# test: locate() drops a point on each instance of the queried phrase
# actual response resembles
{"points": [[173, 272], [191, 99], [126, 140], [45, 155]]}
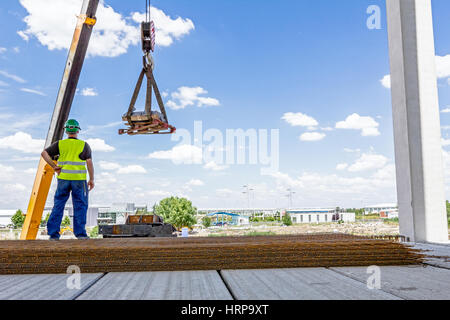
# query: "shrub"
{"points": [[65, 222], [287, 221], [206, 221], [94, 232], [18, 219]]}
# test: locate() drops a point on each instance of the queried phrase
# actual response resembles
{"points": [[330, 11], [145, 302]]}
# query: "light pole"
{"points": [[290, 194], [247, 192]]}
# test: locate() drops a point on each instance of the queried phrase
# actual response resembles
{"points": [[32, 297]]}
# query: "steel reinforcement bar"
{"points": [[178, 254]]}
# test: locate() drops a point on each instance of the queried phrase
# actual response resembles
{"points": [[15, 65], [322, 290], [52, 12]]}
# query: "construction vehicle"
{"points": [[139, 226], [147, 122]]}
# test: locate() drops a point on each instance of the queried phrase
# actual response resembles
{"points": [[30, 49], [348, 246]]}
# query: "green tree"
{"points": [[18, 219], [287, 221], [94, 232], [206, 221], [65, 222], [177, 211]]}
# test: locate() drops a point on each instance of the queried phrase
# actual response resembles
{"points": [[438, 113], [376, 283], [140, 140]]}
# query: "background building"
{"points": [[320, 215], [376, 209]]}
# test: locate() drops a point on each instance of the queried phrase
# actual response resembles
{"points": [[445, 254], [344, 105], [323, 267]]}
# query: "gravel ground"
{"points": [[357, 228]]}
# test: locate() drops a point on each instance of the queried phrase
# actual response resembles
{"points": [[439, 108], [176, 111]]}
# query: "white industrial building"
{"points": [[382, 207], [319, 215]]}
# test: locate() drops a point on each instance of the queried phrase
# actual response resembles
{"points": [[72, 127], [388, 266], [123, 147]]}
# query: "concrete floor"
{"points": [[431, 281]]}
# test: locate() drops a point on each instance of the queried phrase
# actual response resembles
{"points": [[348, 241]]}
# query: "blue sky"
{"points": [[301, 67]]}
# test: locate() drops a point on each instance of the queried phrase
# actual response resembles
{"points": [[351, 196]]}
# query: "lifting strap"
{"points": [[151, 84]]}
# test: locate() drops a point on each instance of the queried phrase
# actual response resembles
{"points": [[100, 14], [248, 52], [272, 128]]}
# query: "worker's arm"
{"points": [[90, 167], [50, 162]]}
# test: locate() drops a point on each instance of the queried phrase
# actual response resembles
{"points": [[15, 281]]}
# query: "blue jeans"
{"points": [[80, 199]]}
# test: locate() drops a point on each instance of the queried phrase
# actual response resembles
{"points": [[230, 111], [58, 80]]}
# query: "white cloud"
{"points": [[93, 129], [312, 136], [7, 173], [224, 192], [39, 93], [105, 179], [89, 92], [352, 150], [336, 190], [182, 154], [386, 173], [158, 193], [3, 84], [30, 171], [386, 81], [2, 50], [99, 145], [214, 166], [23, 142], [7, 169], [167, 29], [187, 96], [132, 169], [12, 76], [368, 161], [446, 110], [112, 35], [299, 120], [342, 166], [286, 180], [16, 187], [367, 125], [443, 66], [195, 183], [109, 166], [23, 35], [442, 70]]}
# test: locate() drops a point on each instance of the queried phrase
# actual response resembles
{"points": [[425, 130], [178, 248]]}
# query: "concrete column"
{"points": [[417, 135]]}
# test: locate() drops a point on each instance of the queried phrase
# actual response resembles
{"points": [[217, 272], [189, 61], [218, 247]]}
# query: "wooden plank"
{"points": [[42, 286], [298, 284], [184, 285], [411, 283]]}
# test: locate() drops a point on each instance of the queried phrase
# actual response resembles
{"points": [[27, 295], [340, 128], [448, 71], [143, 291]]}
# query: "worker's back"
{"points": [[73, 167]]}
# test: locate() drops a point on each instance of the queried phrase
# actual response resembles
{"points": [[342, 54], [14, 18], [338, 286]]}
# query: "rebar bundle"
{"points": [[178, 254]]}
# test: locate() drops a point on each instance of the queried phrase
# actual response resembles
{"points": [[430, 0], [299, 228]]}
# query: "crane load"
{"points": [[147, 121]]}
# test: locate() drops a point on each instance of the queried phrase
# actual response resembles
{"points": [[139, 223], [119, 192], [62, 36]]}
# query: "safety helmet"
{"points": [[72, 126]]}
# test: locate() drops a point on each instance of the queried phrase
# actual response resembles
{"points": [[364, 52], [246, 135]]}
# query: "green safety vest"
{"points": [[73, 168]]}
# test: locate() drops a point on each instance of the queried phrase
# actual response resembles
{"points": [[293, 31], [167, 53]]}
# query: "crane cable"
{"points": [[147, 13]]}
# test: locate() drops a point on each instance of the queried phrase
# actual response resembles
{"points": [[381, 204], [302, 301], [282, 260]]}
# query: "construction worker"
{"points": [[74, 156]]}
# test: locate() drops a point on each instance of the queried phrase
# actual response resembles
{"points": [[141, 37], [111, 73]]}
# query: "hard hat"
{"points": [[72, 126]]}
